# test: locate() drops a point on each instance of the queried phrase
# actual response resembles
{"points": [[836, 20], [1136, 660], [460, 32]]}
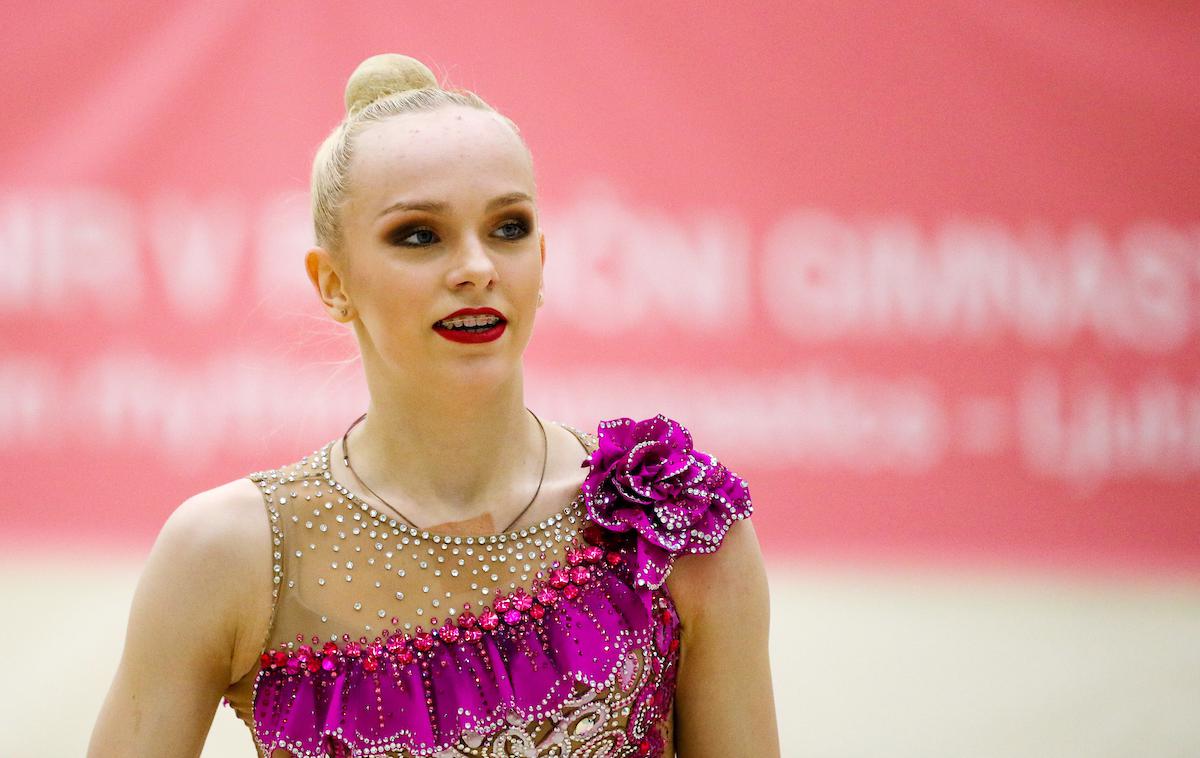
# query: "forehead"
{"points": [[452, 154]]}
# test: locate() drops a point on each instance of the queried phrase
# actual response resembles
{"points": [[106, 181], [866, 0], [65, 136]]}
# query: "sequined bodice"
{"points": [[392, 641]]}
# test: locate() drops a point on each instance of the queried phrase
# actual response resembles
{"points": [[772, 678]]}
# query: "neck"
{"points": [[442, 454]]}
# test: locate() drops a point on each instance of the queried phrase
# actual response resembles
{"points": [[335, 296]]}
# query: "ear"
{"points": [[323, 273], [542, 243]]}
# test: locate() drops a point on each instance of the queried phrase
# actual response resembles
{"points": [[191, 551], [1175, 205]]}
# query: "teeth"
{"points": [[469, 321]]}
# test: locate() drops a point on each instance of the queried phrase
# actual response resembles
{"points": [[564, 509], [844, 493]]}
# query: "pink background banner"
{"points": [[926, 275]]}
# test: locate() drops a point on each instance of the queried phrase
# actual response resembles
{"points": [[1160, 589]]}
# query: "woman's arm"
{"points": [[184, 625], [724, 704]]}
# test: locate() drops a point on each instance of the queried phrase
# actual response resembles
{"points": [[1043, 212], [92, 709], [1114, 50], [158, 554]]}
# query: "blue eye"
{"points": [[415, 237], [513, 229]]}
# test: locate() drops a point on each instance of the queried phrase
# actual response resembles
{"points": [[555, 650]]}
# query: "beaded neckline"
{"points": [[322, 464]]}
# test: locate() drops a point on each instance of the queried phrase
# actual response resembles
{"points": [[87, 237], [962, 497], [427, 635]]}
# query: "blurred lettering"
{"points": [[69, 252], [197, 246], [824, 278]]}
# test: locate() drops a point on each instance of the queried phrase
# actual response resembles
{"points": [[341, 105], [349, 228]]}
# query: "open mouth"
{"points": [[472, 326]]}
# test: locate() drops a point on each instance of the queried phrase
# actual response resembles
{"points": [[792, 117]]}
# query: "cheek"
{"points": [[526, 273], [398, 295]]}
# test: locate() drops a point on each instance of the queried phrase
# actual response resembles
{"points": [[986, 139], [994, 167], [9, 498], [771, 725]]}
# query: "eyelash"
{"points": [[401, 235]]}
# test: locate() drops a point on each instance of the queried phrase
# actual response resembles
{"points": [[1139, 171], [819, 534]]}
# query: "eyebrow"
{"points": [[433, 206]]}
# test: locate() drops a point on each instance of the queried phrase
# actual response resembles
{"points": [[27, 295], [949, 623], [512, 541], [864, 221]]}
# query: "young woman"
{"points": [[453, 576]]}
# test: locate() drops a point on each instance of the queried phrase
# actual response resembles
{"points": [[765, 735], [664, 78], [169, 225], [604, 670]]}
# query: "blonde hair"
{"points": [[381, 87]]}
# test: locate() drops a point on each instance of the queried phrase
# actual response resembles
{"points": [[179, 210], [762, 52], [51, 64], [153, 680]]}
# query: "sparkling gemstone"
{"points": [[584, 724], [488, 619], [521, 600], [559, 578]]}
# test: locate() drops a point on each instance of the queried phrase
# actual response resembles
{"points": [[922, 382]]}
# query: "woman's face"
{"points": [[440, 215]]}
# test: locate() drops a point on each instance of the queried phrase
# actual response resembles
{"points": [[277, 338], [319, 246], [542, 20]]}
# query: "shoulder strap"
{"points": [[588, 441], [264, 479], [283, 479]]}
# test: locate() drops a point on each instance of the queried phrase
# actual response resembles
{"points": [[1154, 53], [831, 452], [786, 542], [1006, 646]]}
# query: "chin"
{"points": [[480, 370]]}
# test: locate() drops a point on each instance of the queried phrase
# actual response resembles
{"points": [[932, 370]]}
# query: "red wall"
{"points": [[927, 275]]}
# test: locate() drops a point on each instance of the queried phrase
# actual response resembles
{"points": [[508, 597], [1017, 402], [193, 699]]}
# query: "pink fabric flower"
{"points": [[646, 478]]}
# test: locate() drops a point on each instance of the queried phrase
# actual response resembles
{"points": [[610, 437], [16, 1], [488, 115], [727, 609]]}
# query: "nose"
{"points": [[473, 264]]}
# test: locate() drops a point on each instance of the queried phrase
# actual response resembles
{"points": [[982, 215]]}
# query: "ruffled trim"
{"points": [[647, 479], [421, 692]]}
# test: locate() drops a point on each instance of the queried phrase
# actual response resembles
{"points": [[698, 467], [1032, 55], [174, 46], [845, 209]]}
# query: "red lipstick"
{"points": [[472, 334]]}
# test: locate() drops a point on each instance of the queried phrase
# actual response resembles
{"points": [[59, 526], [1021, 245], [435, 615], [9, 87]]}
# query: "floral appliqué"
{"points": [[646, 479]]}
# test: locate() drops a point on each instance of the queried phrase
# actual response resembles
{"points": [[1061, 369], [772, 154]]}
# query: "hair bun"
{"points": [[383, 75]]}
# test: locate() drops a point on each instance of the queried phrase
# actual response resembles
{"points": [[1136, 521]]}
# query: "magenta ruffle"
{"points": [[424, 705]]}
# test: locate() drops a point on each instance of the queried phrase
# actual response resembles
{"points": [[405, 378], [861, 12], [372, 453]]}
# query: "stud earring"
{"points": [[540, 298]]}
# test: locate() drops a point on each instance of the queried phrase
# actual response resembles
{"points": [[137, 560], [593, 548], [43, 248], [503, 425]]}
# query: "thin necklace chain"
{"points": [[357, 478]]}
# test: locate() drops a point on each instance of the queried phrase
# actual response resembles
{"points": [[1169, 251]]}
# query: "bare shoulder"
{"points": [[221, 537], [723, 605], [731, 579], [211, 535], [216, 546], [186, 622], [221, 522]]}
